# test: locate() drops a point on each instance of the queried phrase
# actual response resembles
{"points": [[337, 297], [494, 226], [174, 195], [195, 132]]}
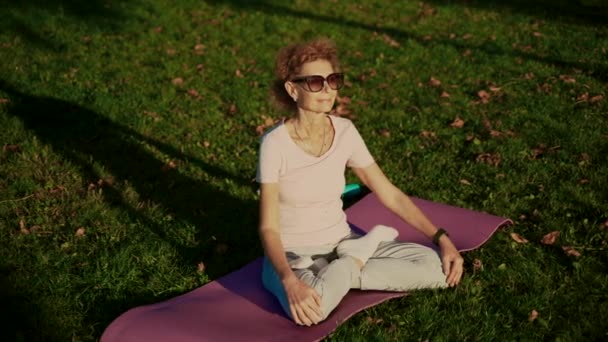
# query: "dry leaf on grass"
{"points": [[550, 238], [193, 93], [484, 96], [533, 315], [22, 228], [428, 134], [477, 265], [493, 159], [385, 132], [445, 95], [80, 232], [567, 79], [200, 267], [518, 238], [464, 182], [390, 41], [458, 123], [178, 81], [571, 251], [11, 148], [170, 165], [433, 82]]}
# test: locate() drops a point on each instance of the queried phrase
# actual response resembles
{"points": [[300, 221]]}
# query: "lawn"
{"points": [[130, 129]]}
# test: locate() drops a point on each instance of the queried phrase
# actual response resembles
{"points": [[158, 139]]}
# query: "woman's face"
{"points": [[319, 102]]}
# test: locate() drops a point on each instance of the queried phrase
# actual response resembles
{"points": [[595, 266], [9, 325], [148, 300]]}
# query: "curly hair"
{"points": [[289, 63]]}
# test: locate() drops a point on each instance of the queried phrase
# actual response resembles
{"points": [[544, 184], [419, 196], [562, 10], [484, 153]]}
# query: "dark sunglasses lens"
{"points": [[315, 83], [335, 81]]}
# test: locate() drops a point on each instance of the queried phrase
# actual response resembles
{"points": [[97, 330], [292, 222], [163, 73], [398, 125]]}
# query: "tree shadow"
{"points": [[596, 70], [24, 18], [88, 140], [590, 12]]}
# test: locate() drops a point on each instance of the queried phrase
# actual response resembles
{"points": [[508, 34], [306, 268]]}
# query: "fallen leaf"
{"points": [[596, 98], [583, 181], [458, 123], [390, 41], [444, 94], [494, 89], [11, 148], [493, 159], [571, 251], [567, 78], [3, 100], [177, 81], [606, 224], [428, 134], [433, 82], [200, 267], [268, 122], [385, 132], [86, 39], [158, 29], [452, 36], [550, 238], [528, 76], [495, 133], [537, 34], [171, 52], [170, 165], [193, 93], [232, 109], [372, 320], [582, 97], [80, 232], [206, 144], [58, 188], [464, 182], [484, 96], [533, 315], [238, 73], [477, 265], [427, 38], [22, 228], [466, 52], [467, 36], [198, 49], [518, 238]]}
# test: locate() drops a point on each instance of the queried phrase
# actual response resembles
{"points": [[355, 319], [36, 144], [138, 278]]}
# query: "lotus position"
{"points": [[312, 258]]}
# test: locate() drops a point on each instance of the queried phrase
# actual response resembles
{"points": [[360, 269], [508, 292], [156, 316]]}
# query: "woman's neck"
{"points": [[312, 122]]}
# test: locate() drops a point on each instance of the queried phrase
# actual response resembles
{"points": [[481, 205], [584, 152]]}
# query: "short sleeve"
{"points": [[269, 161], [360, 156]]}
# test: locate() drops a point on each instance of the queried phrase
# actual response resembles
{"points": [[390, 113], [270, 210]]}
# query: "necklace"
{"points": [[308, 146]]}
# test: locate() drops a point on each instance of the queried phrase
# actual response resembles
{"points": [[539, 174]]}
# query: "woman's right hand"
{"points": [[304, 301]]}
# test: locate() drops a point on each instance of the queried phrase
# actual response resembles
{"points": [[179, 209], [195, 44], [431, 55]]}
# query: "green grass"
{"points": [[96, 135]]}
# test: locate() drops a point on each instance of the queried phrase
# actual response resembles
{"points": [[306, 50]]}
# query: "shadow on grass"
{"points": [[597, 70], [29, 19], [585, 12], [85, 139]]}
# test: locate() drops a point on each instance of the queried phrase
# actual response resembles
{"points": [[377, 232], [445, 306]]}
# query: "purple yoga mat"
{"points": [[237, 308]]}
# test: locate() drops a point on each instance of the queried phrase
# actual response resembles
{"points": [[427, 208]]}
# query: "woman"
{"points": [[312, 259]]}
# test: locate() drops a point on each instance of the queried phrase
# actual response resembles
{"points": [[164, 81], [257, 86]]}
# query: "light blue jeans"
{"points": [[395, 266]]}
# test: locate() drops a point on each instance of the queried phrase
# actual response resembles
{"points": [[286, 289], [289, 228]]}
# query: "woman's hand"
{"points": [[451, 261], [304, 301]]}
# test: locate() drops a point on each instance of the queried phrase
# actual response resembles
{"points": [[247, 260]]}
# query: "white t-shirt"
{"points": [[310, 188]]}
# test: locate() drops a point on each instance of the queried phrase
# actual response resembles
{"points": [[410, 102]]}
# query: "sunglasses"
{"points": [[316, 83]]}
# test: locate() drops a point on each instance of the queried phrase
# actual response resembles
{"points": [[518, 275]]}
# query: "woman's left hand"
{"points": [[451, 261]]}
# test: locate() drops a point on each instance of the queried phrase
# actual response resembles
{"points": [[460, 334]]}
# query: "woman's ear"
{"points": [[291, 90]]}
